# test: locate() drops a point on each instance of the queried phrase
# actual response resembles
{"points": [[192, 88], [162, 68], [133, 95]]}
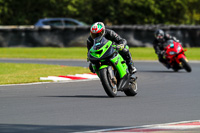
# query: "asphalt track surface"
{"points": [[163, 96]]}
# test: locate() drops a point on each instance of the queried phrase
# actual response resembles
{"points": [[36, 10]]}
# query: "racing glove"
{"points": [[120, 47], [161, 52]]}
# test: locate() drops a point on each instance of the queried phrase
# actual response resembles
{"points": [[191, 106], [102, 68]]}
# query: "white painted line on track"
{"points": [[174, 126], [54, 78], [63, 79], [86, 76]]}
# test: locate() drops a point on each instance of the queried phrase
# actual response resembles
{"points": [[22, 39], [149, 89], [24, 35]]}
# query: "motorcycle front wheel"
{"points": [[185, 65], [109, 86]]}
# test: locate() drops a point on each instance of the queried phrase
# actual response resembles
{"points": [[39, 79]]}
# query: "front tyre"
{"points": [[185, 65], [109, 86]]}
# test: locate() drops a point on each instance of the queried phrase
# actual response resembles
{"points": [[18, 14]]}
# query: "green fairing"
{"points": [[103, 66], [121, 68], [95, 54]]}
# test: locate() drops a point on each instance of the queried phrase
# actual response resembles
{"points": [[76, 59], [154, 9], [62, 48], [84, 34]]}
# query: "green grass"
{"points": [[44, 53], [143, 53], [81, 53], [149, 53], [193, 53], [13, 73]]}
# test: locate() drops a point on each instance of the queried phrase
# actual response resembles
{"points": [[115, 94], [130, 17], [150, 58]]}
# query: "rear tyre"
{"points": [[185, 65], [109, 86], [132, 90]]}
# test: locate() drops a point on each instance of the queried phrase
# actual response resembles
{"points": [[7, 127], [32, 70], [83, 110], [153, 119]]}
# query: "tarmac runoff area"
{"points": [[177, 127]]}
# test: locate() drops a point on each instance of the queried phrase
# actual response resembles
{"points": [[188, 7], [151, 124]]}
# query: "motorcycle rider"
{"points": [[98, 30], [158, 44]]}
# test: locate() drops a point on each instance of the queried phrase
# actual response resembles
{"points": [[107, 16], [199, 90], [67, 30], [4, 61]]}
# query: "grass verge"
{"points": [[81, 53], [13, 73]]}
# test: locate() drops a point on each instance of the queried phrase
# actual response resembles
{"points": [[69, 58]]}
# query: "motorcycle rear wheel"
{"points": [[132, 90], [185, 65], [109, 86]]}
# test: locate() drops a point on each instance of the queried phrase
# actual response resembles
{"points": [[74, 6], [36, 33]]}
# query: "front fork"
{"points": [[182, 55]]}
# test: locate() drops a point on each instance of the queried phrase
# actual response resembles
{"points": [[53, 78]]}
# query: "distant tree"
{"points": [[111, 12], [193, 11]]}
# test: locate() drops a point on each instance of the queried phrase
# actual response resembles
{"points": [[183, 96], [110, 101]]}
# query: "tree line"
{"points": [[111, 12]]}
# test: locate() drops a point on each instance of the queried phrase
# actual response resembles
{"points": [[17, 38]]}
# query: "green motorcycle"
{"points": [[111, 68]]}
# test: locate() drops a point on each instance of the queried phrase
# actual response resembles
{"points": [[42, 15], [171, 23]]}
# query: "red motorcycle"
{"points": [[174, 54]]}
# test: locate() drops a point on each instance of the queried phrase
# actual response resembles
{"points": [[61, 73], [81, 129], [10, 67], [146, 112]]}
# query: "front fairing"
{"points": [[173, 49], [101, 50]]}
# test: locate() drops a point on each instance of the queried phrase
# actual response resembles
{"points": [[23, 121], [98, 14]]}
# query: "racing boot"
{"points": [[164, 61], [132, 69], [167, 65], [127, 56]]}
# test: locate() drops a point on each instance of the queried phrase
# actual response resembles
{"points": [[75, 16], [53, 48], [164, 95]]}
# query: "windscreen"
{"points": [[99, 43], [169, 42]]}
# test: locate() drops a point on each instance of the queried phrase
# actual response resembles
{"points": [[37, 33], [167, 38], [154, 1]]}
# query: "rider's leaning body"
{"points": [[98, 30], [158, 44], [110, 35]]}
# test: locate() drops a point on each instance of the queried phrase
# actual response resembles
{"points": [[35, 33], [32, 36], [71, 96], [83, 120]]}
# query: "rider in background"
{"points": [[158, 44], [98, 30]]}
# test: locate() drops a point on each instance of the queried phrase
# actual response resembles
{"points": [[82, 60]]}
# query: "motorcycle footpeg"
{"points": [[133, 78]]}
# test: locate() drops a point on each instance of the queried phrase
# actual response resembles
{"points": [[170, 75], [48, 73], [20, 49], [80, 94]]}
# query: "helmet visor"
{"points": [[159, 37], [95, 35]]}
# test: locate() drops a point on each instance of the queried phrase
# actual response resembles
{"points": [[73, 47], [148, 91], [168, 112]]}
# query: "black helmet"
{"points": [[159, 35]]}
